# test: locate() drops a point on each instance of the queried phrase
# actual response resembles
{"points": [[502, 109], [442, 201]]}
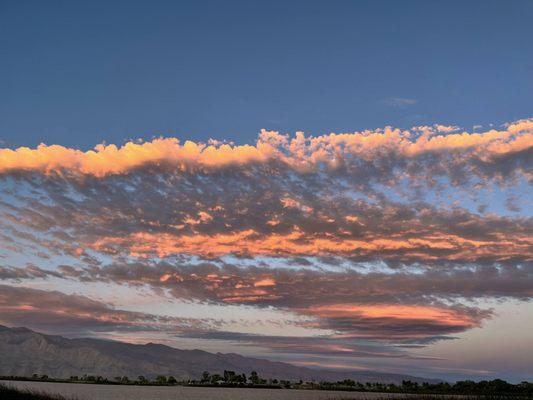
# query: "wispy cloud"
{"points": [[399, 102], [56, 312]]}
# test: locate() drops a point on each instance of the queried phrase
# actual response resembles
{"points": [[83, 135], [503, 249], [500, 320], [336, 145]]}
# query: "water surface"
{"points": [[126, 392]]}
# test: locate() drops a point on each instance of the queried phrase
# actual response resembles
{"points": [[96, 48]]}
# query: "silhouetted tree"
{"points": [[215, 378], [254, 378], [205, 377], [229, 376]]}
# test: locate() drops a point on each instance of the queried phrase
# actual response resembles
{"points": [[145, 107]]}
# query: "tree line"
{"points": [[233, 379], [466, 387]]}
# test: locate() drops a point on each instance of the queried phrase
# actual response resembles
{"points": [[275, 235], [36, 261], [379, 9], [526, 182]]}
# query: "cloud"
{"points": [[254, 214], [373, 195], [400, 307], [399, 102], [310, 345], [349, 152], [56, 312], [371, 236], [396, 322], [74, 315], [304, 287], [30, 271]]}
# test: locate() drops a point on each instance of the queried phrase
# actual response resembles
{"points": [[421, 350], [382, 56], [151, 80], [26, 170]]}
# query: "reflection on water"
{"points": [[122, 392]]}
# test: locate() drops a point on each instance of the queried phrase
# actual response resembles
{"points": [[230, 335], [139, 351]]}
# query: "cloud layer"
{"points": [[390, 195], [399, 307], [380, 150], [389, 236], [56, 312]]}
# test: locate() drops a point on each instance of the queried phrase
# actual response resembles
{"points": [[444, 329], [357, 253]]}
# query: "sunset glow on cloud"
{"points": [[301, 153], [371, 242]]}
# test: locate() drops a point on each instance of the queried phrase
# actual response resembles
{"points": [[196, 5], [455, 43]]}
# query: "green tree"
{"points": [[161, 380]]}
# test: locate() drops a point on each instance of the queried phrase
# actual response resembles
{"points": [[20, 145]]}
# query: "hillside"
{"points": [[24, 352]]}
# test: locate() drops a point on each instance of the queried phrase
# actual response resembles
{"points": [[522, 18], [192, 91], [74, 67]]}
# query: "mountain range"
{"points": [[24, 352]]}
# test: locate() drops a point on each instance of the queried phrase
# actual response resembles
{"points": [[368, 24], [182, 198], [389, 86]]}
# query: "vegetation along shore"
{"points": [[232, 379]]}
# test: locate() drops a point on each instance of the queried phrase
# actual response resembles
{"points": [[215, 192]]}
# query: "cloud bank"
{"points": [[389, 236], [377, 150], [68, 314]]}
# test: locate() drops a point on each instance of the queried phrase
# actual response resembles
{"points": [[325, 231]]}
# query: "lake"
{"points": [[123, 392]]}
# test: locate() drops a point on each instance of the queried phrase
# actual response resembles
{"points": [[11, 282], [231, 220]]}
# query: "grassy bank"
{"points": [[10, 393], [447, 397], [442, 397]]}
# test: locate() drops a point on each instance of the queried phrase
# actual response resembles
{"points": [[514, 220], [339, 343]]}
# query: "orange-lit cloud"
{"points": [[250, 243], [110, 159], [368, 195], [392, 317], [399, 322], [401, 312], [215, 223], [300, 152]]}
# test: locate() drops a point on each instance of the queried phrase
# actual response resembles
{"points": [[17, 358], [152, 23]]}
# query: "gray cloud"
{"points": [[252, 214], [169, 216], [400, 307], [315, 345], [302, 287], [30, 271], [56, 312]]}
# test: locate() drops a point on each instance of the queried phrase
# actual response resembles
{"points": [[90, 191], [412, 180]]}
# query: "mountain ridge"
{"points": [[25, 352]]}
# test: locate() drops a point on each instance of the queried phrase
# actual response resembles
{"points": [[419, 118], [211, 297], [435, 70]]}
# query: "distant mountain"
{"points": [[24, 352]]}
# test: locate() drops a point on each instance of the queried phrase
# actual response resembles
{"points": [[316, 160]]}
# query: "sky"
{"points": [[339, 185]]}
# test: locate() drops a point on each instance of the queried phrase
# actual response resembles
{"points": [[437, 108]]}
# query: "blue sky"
{"points": [[79, 73]]}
